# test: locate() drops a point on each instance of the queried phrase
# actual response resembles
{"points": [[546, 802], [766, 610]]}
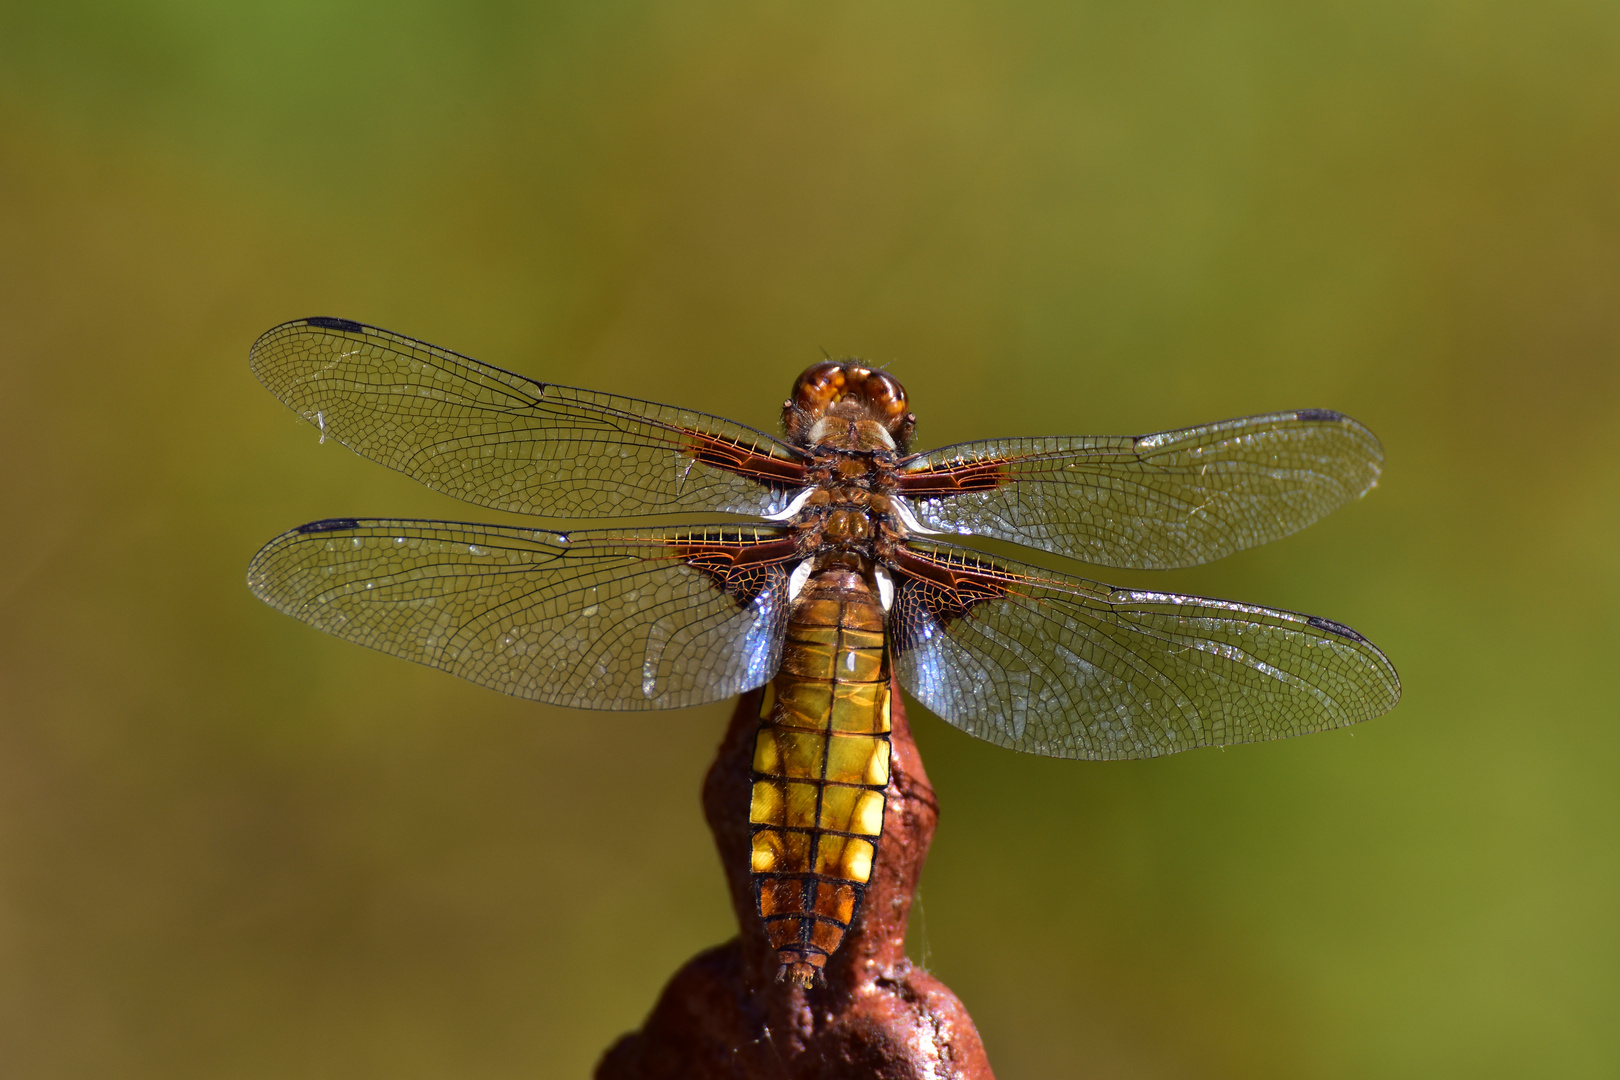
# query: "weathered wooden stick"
{"points": [[724, 1014]]}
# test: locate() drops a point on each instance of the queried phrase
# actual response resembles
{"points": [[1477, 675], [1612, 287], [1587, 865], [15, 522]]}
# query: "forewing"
{"points": [[497, 439], [639, 619], [1065, 667], [1177, 498]]}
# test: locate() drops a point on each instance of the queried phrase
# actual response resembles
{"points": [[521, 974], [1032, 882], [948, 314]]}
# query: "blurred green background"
{"points": [[230, 846]]}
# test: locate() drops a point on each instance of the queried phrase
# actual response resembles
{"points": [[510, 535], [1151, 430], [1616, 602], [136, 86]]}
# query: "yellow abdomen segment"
{"points": [[821, 764]]}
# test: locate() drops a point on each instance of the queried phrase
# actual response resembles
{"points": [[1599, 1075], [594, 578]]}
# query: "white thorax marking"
{"points": [[907, 518], [885, 585], [796, 583], [791, 508]]}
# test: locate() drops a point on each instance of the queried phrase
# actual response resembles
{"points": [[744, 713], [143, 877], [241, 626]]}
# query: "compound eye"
{"points": [[820, 384], [887, 396]]}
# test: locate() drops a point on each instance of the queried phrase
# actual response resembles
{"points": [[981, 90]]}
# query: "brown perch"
{"points": [[725, 1015]]}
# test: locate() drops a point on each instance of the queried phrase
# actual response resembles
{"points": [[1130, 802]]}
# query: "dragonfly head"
{"points": [[850, 406]]}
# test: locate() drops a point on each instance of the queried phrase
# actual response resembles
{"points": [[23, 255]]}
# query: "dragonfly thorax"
{"points": [[850, 511]]}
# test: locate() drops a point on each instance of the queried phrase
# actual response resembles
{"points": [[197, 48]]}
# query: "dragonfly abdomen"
{"points": [[821, 764]]}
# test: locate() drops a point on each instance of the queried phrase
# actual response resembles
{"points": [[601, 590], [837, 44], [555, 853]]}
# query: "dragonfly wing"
{"points": [[497, 439], [1177, 498], [634, 619], [1064, 667]]}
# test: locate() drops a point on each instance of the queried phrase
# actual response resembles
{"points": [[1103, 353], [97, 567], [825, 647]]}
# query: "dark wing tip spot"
{"points": [[1323, 416], [329, 525], [326, 322], [1334, 628]]}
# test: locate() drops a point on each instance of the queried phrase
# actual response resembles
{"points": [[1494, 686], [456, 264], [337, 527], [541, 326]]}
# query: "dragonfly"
{"points": [[836, 575]]}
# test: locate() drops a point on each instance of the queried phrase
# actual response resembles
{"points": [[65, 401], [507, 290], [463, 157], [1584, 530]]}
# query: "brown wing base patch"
{"points": [[773, 472], [740, 568], [943, 588], [984, 474]]}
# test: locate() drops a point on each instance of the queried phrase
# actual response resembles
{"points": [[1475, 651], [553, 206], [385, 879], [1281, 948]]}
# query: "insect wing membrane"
{"points": [[1064, 667], [1177, 498], [634, 619], [497, 439]]}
